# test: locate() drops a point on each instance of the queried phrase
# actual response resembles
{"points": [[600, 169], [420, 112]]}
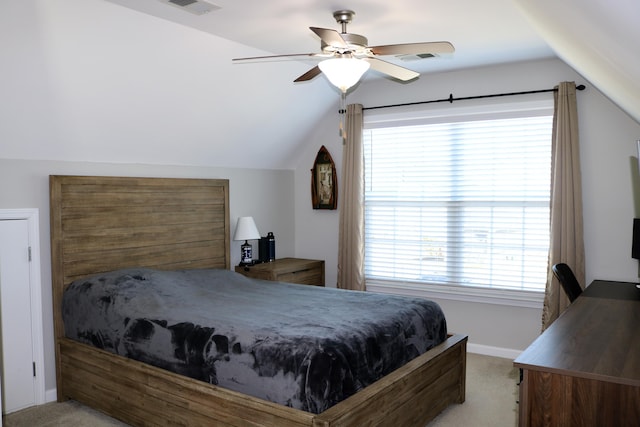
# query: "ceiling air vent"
{"points": [[416, 57], [183, 3], [197, 7]]}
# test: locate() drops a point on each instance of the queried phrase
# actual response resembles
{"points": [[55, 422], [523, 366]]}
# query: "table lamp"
{"points": [[246, 230]]}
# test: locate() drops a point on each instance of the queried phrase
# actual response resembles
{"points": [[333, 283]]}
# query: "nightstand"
{"points": [[292, 270]]}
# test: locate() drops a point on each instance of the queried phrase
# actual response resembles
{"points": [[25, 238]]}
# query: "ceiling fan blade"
{"points": [[395, 71], [330, 37], [413, 48], [309, 75], [290, 55]]}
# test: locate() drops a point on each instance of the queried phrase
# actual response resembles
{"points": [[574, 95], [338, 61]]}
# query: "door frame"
{"points": [[35, 284]]}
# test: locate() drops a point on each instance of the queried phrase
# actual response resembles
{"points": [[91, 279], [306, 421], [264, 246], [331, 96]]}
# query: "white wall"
{"points": [[607, 138], [264, 194], [90, 80]]}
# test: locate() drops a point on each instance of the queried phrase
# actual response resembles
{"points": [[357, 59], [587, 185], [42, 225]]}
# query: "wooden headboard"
{"points": [[100, 224]]}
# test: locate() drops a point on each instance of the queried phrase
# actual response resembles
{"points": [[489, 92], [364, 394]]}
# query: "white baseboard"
{"points": [[51, 395], [506, 353]]}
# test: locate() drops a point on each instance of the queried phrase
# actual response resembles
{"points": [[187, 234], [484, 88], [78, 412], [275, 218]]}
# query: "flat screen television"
{"points": [[635, 239]]}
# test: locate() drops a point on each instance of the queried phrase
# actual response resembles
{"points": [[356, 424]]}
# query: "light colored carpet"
{"points": [[67, 414], [492, 394], [490, 402]]}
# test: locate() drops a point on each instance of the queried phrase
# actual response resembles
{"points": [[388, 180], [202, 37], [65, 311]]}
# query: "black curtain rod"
{"points": [[450, 99]]}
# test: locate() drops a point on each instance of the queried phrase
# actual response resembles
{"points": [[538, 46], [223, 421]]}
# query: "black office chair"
{"points": [[568, 280]]}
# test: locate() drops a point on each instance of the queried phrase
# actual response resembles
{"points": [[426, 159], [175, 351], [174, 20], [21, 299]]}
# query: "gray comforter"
{"points": [[302, 346]]}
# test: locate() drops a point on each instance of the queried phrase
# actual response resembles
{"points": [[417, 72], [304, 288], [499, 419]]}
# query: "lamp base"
{"points": [[249, 264], [246, 257]]}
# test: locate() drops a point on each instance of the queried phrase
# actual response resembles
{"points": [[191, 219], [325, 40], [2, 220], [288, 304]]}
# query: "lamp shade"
{"points": [[343, 72], [246, 229]]}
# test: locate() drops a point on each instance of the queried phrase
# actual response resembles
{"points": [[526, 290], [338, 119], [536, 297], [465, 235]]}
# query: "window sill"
{"points": [[514, 298]]}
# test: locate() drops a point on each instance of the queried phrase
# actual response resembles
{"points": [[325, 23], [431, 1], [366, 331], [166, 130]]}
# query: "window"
{"points": [[459, 198]]}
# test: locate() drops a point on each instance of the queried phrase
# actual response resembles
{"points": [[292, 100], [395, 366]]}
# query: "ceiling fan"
{"points": [[347, 56]]}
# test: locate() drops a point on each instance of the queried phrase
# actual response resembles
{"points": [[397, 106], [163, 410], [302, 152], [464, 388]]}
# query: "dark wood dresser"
{"points": [[584, 370]]}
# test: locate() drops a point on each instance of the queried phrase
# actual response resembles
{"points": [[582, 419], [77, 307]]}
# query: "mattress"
{"points": [[305, 347]]}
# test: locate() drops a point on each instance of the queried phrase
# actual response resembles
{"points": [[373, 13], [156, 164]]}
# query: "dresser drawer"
{"points": [[311, 276], [290, 270]]}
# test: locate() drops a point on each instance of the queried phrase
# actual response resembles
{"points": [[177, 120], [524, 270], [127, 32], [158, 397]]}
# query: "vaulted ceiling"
{"points": [[483, 33], [147, 81], [598, 39]]}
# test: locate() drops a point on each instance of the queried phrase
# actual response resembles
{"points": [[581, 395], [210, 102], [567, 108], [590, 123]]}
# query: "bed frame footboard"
{"points": [[142, 395]]}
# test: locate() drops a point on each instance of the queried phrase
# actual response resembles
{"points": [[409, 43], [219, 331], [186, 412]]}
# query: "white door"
{"points": [[18, 362]]}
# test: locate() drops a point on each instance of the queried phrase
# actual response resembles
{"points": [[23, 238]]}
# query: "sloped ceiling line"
{"points": [[597, 39]]}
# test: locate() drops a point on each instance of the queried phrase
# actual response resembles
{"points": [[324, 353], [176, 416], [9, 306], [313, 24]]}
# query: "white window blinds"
{"points": [[460, 200]]}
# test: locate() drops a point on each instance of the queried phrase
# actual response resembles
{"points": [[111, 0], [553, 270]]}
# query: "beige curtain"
{"points": [[567, 240], [351, 232]]}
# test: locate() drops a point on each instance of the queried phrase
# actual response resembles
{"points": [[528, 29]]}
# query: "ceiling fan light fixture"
{"points": [[343, 73]]}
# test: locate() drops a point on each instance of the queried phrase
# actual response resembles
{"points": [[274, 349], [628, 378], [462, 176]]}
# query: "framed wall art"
{"points": [[324, 181]]}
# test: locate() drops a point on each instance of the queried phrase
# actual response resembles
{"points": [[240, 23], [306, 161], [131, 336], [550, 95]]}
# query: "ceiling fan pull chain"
{"points": [[343, 112]]}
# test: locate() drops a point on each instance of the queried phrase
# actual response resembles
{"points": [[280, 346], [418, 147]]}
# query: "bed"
{"points": [[102, 224]]}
